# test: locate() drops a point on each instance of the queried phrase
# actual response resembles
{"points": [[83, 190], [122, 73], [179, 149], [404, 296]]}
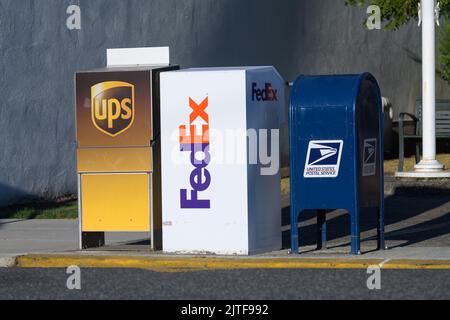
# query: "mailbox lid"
{"points": [[320, 91]]}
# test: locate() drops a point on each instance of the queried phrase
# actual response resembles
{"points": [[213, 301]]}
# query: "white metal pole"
{"points": [[429, 162]]}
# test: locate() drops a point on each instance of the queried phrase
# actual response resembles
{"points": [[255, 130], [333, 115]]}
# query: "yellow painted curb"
{"points": [[176, 264], [417, 264], [179, 264]]}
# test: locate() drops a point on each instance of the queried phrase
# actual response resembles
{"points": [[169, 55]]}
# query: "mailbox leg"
{"points": [[355, 232], [417, 152], [294, 231], [380, 230], [321, 229], [92, 240]]}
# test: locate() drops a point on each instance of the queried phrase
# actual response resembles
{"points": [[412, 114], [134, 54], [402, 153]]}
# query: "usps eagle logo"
{"points": [[369, 167], [323, 159]]}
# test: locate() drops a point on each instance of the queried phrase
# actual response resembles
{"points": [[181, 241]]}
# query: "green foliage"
{"points": [[399, 12], [66, 210]]}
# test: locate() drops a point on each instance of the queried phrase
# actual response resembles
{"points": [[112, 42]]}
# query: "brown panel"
{"points": [[114, 160], [114, 108]]}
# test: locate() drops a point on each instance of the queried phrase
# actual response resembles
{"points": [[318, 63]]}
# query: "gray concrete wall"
{"points": [[334, 40], [39, 56]]}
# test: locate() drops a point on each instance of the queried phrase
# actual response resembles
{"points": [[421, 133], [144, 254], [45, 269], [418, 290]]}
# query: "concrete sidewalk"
{"points": [[417, 228], [26, 236], [18, 237], [421, 231]]}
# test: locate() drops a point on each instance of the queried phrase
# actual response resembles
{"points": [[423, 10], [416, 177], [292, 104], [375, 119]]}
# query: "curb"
{"points": [[183, 264], [7, 262]]}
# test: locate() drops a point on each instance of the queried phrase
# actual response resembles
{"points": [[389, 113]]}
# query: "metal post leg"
{"points": [[417, 152], [380, 230], [401, 141], [321, 229], [401, 151], [92, 239], [294, 231], [355, 232]]}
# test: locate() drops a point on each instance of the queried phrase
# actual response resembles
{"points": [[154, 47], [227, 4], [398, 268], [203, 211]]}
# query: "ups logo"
{"points": [[112, 106]]}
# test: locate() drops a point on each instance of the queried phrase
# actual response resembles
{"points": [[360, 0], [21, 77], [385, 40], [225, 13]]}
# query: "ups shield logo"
{"points": [[112, 107]]}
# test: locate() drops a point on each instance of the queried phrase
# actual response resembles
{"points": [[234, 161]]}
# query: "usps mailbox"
{"points": [[218, 195], [336, 158], [118, 152]]}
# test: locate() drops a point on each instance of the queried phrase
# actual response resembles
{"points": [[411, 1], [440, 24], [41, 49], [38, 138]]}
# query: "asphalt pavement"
{"points": [[19, 283]]}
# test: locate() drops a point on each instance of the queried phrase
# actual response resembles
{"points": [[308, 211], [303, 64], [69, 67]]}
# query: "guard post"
{"points": [[336, 152]]}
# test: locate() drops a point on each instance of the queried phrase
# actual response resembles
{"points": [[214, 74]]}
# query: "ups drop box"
{"points": [[118, 152], [220, 193]]}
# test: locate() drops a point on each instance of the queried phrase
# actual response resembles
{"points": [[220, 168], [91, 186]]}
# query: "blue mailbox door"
{"points": [[336, 157]]}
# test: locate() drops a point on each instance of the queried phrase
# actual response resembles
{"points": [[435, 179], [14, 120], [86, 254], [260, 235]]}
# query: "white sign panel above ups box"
{"points": [[220, 160], [137, 56]]}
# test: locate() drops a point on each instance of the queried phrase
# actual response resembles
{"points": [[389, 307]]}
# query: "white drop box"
{"points": [[215, 198]]}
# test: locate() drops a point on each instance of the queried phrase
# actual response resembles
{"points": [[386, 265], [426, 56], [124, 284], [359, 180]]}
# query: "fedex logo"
{"points": [[198, 146], [266, 94]]}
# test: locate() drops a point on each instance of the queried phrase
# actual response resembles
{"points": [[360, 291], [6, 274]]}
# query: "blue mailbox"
{"points": [[336, 158]]}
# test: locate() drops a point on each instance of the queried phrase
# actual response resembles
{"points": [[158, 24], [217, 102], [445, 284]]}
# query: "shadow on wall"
{"points": [[295, 36], [36, 117], [10, 195], [13, 198], [418, 59], [427, 220]]}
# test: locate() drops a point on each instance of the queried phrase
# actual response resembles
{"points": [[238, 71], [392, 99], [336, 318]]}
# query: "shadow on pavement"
{"points": [[411, 216]]}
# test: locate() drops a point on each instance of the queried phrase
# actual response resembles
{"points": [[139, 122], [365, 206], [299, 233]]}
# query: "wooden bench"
{"points": [[442, 128]]}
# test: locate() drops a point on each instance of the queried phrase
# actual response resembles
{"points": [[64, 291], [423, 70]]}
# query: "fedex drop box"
{"points": [[220, 148]]}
